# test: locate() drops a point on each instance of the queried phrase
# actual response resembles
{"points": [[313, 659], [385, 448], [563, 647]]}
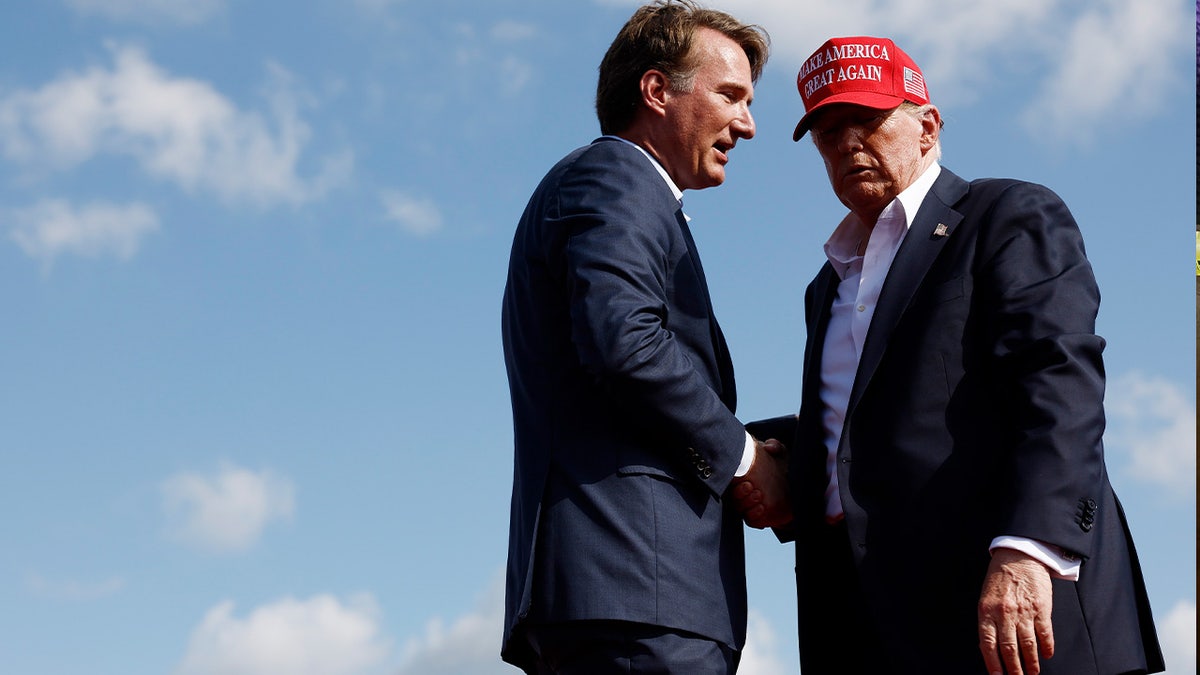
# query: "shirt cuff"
{"points": [[747, 457], [1061, 564]]}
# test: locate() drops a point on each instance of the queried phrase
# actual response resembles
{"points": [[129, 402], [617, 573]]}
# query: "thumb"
{"points": [[774, 446]]}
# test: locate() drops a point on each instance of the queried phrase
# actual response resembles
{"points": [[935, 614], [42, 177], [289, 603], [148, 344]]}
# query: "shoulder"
{"points": [[1011, 191], [610, 174], [989, 198], [603, 162], [1025, 218], [607, 188], [608, 154]]}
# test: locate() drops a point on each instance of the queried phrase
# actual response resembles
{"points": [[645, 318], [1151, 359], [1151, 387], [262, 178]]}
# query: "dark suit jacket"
{"points": [[623, 396], [976, 411]]}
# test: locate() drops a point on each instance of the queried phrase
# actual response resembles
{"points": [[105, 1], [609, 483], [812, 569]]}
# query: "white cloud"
{"points": [[1151, 422], [226, 512], [70, 590], [1113, 65], [514, 75], [177, 129], [318, 636], [377, 5], [1082, 64], [150, 11], [513, 31], [486, 63], [470, 644], [1178, 636], [54, 226], [414, 215], [964, 29], [760, 657]]}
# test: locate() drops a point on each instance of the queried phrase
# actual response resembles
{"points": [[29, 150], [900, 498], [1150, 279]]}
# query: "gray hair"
{"points": [[918, 111]]}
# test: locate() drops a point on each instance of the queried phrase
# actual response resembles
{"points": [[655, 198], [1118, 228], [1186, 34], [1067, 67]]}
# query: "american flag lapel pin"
{"points": [[940, 231]]}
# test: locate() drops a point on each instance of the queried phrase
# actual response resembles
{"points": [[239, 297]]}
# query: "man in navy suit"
{"points": [[953, 513], [624, 555]]}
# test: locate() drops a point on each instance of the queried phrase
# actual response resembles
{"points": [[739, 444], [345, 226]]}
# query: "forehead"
{"points": [[719, 55], [841, 111]]}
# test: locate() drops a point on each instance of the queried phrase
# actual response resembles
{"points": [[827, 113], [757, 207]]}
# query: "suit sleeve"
{"points": [[620, 258], [1047, 359]]}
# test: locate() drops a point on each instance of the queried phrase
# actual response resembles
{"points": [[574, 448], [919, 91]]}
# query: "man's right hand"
{"points": [[761, 496]]}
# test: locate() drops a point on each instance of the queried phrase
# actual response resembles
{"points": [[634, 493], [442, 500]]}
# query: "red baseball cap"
{"points": [[867, 71]]}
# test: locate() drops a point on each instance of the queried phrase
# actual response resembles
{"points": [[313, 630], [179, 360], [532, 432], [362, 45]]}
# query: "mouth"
{"points": [[855, 171], [723, 151]]}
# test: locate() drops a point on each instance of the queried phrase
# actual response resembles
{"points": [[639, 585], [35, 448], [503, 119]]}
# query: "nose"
{"points": [[743, 125], [845, 137], [851, 139]]}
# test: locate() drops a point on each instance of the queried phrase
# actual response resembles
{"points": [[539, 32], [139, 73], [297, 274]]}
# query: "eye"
{"points": [[835, 127]]}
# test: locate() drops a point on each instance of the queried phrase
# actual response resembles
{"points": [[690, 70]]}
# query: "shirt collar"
{"points": [[914, 195], [841, 249]]}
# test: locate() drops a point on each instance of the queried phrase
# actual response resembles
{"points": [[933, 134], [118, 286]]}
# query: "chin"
{"points": [[862, 196], [713, 178]]}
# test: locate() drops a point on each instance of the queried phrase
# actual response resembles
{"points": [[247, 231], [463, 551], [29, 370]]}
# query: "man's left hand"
{"points": [[1014, 614]]}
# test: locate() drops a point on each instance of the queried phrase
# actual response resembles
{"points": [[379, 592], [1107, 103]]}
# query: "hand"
{"points": [[1014, 614], [761, 495]]}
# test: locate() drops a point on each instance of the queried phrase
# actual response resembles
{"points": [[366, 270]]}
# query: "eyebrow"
{"points": [[740, 89]]}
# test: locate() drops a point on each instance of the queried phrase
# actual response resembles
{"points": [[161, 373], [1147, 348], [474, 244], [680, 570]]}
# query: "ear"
{"points": [[931, 127], [655, 91]]}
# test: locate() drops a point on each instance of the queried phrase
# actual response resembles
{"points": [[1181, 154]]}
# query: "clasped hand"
{"points": [[761, 496]]}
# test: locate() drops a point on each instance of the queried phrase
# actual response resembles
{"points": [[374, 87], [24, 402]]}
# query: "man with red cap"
{"points": [[952, 510]]}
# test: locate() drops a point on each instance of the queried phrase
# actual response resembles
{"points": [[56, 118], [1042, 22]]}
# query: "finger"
{"points": [[773, 446], [749, 498], [1029, 654], [1045, 633], [988, 647], [757, 508], [742, 489], [754, 517], [999, 640], [1010, 647]]}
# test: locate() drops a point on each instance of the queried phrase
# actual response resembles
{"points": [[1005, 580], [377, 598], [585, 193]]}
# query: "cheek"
{"points": [[829, 168]]}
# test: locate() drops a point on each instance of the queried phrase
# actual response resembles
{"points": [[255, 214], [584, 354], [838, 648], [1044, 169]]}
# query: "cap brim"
{"points": [[866, 99]]}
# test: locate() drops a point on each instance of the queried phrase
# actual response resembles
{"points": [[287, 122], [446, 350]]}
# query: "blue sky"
{"points": [[254, 415]]}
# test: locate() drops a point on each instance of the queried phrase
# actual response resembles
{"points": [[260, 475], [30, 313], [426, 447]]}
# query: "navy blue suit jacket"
{"points": [[976, 411], [623, 397]]}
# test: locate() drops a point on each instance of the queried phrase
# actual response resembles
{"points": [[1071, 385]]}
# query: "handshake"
{"points": [[761, 495]]}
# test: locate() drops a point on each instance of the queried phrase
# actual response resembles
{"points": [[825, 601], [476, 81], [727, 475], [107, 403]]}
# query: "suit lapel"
{"points": [[824, 290], [808, 476], [720, 347], [934, 224]]}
